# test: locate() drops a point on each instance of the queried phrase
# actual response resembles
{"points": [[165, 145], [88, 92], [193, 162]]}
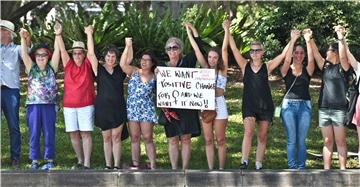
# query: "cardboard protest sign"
{"points": [[187, 88]]}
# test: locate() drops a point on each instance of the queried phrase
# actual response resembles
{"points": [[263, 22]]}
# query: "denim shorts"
{"points": [[331, 117]]}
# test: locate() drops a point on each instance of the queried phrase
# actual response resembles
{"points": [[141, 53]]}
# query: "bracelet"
{"points": [[57, 34]]}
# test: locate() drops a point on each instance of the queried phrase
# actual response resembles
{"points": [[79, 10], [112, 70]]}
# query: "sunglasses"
{"points": [[172, 48], [255, 51], [332, 50], [41, 54]]}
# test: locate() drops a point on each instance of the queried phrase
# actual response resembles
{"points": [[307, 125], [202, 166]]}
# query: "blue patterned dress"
{"points": [[141, 100]]}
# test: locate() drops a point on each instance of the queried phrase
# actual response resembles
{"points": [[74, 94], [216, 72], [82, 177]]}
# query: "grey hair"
{"points": [[175, 40]]}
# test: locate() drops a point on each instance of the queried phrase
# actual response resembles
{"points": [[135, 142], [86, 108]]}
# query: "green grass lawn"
{"points": [[275, 157]]}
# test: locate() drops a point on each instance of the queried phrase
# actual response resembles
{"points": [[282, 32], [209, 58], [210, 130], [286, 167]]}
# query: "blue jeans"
{"points": [[10, 99], [296, 118]]}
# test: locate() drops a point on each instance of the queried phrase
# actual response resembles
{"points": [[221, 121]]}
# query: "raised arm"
{"points": [[89, 30], [285, 67], [192, 32], [24, 50], [55, 57], [272, 64], [340, 31], [130, 52], [310, 66], [60, 42], [127, 54], [318, 58], [224, 49], [240, 60]]}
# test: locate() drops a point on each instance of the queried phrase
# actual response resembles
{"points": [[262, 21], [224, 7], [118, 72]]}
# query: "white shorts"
{"points": [[221, 109], [79, 119]]}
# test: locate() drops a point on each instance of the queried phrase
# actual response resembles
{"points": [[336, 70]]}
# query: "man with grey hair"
{"points": [[10, 86]]}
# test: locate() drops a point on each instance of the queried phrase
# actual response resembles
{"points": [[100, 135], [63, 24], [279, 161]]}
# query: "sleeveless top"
{"points": [[42, 87], [221, 81], [300, 90], [257, 94], [333, 87]]}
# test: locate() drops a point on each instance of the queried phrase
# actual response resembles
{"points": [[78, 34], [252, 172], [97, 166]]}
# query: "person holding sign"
{"points": [[257, 101], [219, 61], [296, 105], [332, 100], [141, 111], [184, 123]]}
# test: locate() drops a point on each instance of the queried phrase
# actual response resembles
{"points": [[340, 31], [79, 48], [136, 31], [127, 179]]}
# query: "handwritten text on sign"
{"points": [[189, 88]]}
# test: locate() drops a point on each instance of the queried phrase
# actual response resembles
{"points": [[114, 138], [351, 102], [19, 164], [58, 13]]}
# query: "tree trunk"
{"points": [[13, 11]]}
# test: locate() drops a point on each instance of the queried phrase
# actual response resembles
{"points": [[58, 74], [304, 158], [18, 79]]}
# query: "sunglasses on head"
{"points": [[255, 50], [172, 48], [41, 54]]}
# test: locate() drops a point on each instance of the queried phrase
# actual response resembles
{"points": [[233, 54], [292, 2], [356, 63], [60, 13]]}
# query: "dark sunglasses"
{"points": [[172, 48], [41, 54], [255, 50]]}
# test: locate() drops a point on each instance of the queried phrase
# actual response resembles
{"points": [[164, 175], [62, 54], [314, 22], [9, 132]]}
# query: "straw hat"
{"points": [[77, 45], [8, 25]]}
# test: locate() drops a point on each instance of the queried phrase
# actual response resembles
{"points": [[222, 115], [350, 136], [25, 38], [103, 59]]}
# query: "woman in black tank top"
{"points": [[332, 102], [257, 101], [296, 105]]}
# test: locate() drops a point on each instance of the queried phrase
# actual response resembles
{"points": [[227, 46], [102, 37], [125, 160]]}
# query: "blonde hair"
{"points": [[257, 43]]}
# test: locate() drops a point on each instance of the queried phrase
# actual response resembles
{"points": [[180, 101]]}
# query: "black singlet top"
{"points": [[300, 90], [333, 87], [257, 94]]}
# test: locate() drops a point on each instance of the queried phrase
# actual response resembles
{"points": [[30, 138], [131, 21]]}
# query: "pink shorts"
{"points": [[356, 117]]}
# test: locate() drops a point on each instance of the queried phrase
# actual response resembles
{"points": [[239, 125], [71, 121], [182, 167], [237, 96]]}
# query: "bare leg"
{"points": [[87, 145], [135, 142], [249, 125], [76, 143], [185, 150], [107, 147], [147, 133], [174, 151], [209, 143], [328, 138], [116, 144], [340, 140], [220, 128], [261, 140]]}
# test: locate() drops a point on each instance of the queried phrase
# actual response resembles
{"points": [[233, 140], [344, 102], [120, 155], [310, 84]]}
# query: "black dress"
{"points": [[189, 119], [110, 106]]}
